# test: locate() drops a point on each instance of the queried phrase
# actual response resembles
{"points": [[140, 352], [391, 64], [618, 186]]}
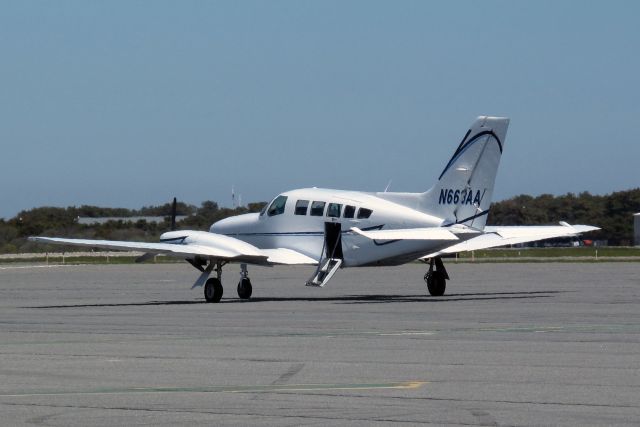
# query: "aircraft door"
{"points": [[333, 240], [332, 256]]}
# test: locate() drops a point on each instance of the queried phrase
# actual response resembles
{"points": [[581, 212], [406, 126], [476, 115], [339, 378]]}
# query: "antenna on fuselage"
{"points": [[388, 186]]}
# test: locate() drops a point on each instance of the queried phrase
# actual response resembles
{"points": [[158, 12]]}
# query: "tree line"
{"points": [[63, 222], [612, 212]]}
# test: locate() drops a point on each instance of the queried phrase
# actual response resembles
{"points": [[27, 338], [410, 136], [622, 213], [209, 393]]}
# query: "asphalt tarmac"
{"points": [[509, 344]]}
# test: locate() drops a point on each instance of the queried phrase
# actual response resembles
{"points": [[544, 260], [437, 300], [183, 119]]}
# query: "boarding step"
{"points": [[328, 268]]}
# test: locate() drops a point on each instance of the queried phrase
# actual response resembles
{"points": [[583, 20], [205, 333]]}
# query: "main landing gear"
{"points": [[213, 289], [436, 277]]}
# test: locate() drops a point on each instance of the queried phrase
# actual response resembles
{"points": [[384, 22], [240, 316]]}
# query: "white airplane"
{"points": [[334, 228]]}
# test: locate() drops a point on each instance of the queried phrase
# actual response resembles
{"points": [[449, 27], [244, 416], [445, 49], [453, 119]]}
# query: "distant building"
{"points": [[636, 229], [85, 220]]}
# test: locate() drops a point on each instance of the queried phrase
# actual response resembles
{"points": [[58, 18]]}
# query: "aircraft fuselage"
{"points": [[298, 223]]}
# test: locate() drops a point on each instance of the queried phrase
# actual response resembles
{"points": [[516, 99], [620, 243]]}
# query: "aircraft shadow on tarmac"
{"points": [[344, 299]]}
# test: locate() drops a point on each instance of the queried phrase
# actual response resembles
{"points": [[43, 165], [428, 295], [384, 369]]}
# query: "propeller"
{"points": [[173, 214], [148, 255]]}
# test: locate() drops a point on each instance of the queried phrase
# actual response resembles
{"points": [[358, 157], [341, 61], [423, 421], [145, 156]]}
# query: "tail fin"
{"points": [[464, 189]]}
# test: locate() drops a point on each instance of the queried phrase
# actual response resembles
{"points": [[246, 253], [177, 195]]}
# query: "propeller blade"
{"points": [[145, 257], [173, 214]]}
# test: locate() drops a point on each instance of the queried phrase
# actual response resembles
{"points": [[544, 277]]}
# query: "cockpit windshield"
{"points": [[277, 206]]}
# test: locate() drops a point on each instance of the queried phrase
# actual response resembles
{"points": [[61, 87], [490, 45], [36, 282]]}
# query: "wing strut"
{"points": [[205, 274]]}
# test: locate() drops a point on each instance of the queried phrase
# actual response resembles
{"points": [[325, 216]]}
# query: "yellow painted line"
{"points": [[404, 385], [408, 385]]}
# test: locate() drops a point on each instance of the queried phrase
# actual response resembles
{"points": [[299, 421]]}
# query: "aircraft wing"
{"points": [[495, 236], [228, 252], [216, 247]]}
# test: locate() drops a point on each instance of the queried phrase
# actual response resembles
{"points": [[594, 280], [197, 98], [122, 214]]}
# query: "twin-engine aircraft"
{"points": [[333, 229]]}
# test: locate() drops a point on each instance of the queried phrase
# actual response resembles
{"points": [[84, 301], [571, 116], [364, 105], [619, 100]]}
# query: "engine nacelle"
{"points": [[220, 242]]}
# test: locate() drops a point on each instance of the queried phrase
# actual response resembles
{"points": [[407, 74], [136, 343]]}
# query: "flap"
{"points": [[287, 257], [432, 233]]}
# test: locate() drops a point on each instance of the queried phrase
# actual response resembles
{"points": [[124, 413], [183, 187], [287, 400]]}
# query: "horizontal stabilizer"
{"points": [[512, 235], [431, 233], [518, 232]]}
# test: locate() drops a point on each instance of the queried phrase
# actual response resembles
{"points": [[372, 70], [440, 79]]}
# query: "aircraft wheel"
{"points": [[244, 288], [213, 290], [436, 283]]}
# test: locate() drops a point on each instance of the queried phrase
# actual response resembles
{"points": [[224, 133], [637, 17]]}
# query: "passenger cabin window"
{"points": [[364, 213], [333, 210], [317, 208], [277, 206], [301, 207], [349, 211]]}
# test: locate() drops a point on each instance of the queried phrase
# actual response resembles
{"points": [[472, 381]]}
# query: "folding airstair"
{"points": [[331, 255], [328, 268]]}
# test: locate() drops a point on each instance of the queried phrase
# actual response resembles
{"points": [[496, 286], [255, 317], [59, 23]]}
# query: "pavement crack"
{"points": [[483, 417], [290, 373], [282, 379], [321, 417], [42, 420]]}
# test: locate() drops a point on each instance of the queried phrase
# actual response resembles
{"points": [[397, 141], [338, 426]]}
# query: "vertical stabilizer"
{"points": [[464, 189]]}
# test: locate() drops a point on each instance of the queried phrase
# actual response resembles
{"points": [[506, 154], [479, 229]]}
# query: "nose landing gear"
{"points": [[244, 286], [213, 287], [213, 290]]}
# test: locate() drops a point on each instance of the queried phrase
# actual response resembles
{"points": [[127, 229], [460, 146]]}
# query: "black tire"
{"points": [[213, 290], [244, 288], [436, 283]]}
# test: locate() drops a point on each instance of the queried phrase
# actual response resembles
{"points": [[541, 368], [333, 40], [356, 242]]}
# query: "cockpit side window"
{"points": [[317, 208], [277, 206], [364, 213], [349, 211], [301, 207], [333, 210]]}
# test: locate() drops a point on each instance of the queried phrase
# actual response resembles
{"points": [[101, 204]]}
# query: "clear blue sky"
{"points": [[129, 103]]}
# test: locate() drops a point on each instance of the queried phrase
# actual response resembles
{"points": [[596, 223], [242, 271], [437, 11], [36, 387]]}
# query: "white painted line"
{"points": [[40, 266], [406, 333]]}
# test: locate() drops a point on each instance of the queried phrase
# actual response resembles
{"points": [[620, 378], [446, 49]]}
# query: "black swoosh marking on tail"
{"points": [[464, 145]]}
